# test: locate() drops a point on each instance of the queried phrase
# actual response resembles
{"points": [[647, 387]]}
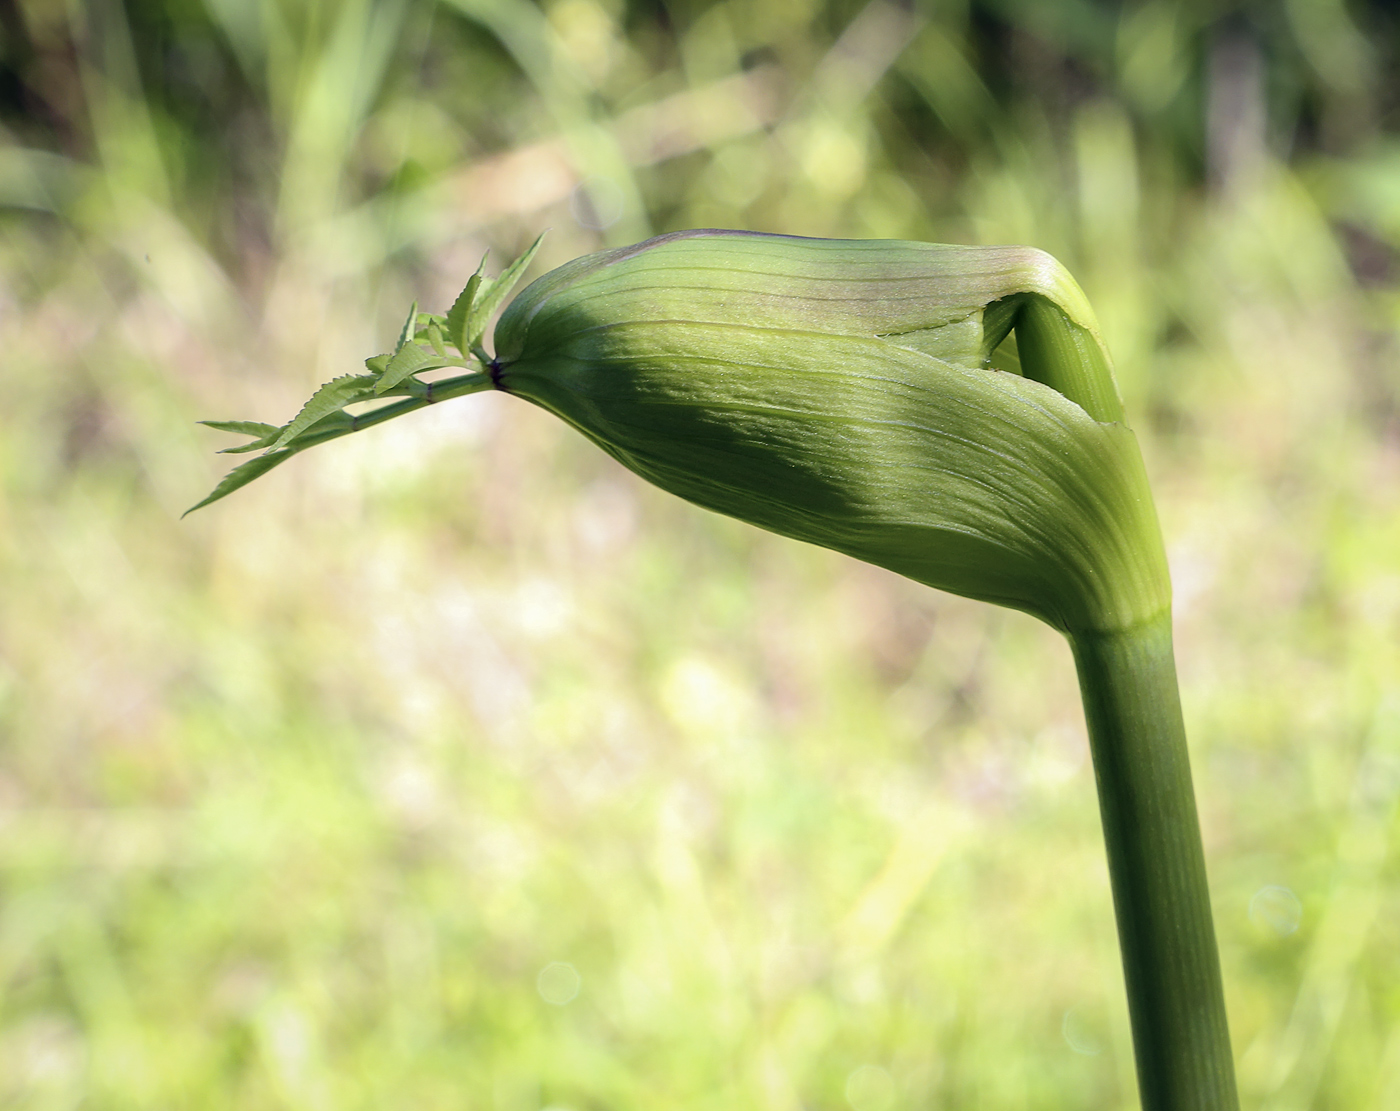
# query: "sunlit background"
{"points": [[451, 767]]}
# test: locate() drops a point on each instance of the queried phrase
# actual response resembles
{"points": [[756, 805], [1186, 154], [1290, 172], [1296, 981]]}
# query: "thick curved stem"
{"points": [[1157, 867]]}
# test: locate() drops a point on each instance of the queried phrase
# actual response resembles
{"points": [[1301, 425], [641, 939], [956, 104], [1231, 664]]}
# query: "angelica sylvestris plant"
{"points": [[862, 395]]}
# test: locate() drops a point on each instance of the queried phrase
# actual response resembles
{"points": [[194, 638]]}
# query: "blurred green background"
{"points": [[451, 767]]}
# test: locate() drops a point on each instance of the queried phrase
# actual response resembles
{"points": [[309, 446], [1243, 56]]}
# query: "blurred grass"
{"points": [[300, 796]]}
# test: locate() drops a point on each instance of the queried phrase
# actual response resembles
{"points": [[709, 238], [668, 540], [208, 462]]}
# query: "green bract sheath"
{"points": [[840, 392]]}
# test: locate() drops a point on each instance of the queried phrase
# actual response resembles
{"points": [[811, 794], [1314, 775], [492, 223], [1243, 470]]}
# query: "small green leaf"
{"points": [[335, 394], [340, 420], [256, 445], [409, 327], [435, 338], [264, 434], [479, 314], [243, 474], [409, 361], [460, 312], [377, 364], [246, 427]]}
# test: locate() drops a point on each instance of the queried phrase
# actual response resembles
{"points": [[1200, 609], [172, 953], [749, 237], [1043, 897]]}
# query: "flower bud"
{"points": [[840, 392]]}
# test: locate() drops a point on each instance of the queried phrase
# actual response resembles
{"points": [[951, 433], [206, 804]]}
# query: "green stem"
{"points": [[423, 395], [1157, 867]]}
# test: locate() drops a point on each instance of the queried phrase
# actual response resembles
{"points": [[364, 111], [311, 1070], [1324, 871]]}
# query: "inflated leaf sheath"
{"points": [[839, 392]]}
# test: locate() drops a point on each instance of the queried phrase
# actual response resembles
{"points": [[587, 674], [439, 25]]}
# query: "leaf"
{"points": [[435, 338], [408, 362], [243, 474], [264, 434], [376, 364], [339, 421], [409, 327], [460, 312], [335, 394], [479, 314], [246, 427], [256, 445]]}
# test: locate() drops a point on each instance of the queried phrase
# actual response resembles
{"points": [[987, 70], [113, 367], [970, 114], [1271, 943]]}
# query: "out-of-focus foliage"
{"points": [[454, 768]]}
